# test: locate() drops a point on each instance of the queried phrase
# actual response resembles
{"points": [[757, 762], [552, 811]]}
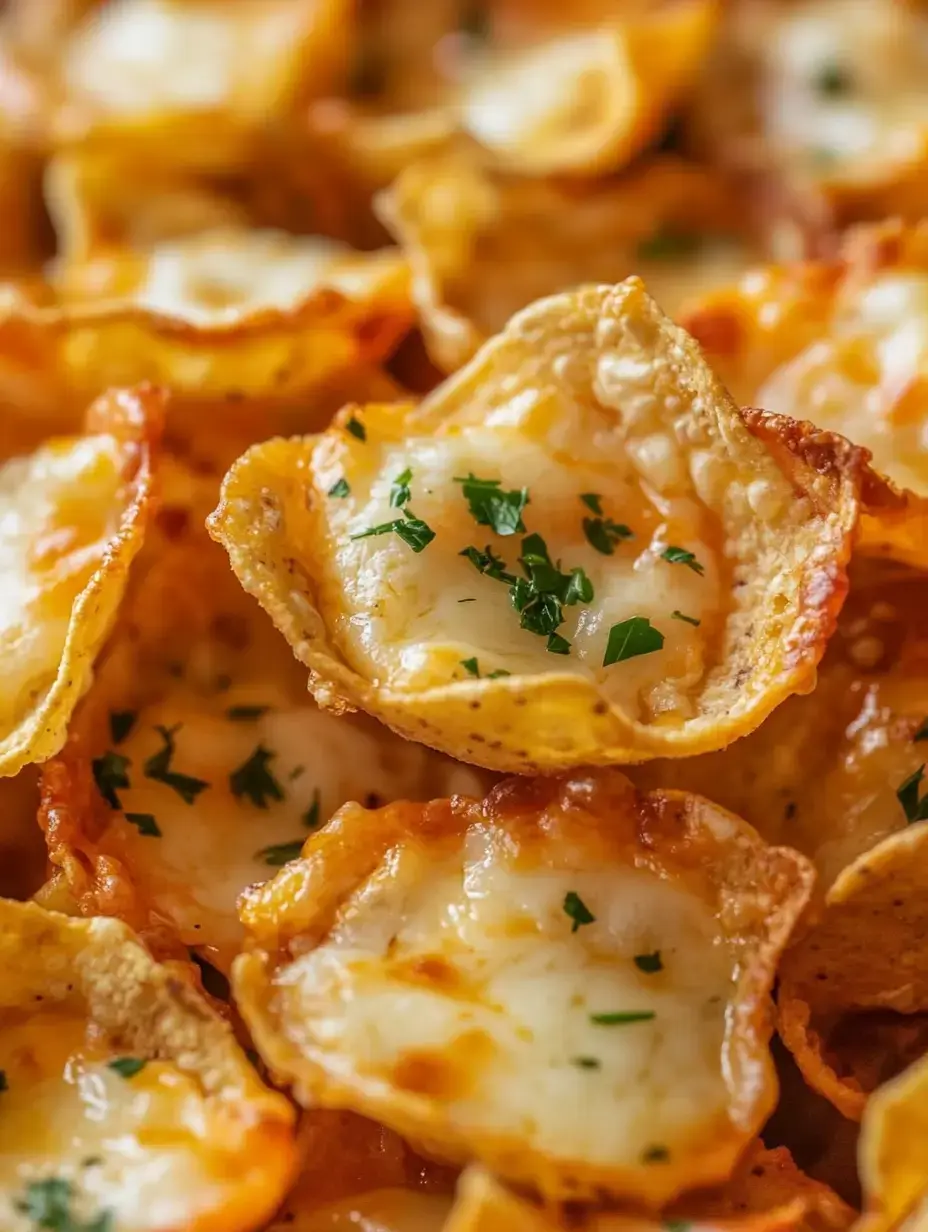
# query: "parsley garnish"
{"points": [[296, 772], [557, 644], [690, 620], [576, 908], [593, 501], [676, 1225], [475, 20], [470, 666], [4, 1085], [158, 768], [340, 487], [655, 1155], [603, 534], [356, 428], [254, 780], [669, 242], [922, 733], [680, 556], [622, 1018], [492, 506], [48, 1204], [109, 772], [650, 964], [586, 1062], [279, 854], [489, 563], [244, 714], [907, 795], [121, 723], [311, 816], [399, 489], [413, 531], [466, 600], [833, 80], [145, 823], [630, 638], [127, 1067]]}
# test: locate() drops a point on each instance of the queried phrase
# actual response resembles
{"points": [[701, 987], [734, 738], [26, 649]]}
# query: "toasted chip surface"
{"points": [[127, 1103], [74, 514], [524, 979], [893, 1162], [701, 552]]}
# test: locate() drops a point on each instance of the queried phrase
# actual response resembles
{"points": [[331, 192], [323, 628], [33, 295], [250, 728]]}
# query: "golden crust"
{"points": [[91, 979], [893, 1165], [786, 564], [447, 1093], [68, 563], [483, 245]]}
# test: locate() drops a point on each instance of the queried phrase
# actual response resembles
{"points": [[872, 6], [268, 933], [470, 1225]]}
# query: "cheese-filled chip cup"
{"points": [[74, 514], [893, 1153], [575, 551], [521, 980], [853, 1012], [229, 313], [198, 764], [482, 245], [127, 1103]]}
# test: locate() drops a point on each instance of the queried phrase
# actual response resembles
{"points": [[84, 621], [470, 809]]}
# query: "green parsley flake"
{"points": [[489, 563], [593, 501], [356, 428], [399, 489], [471, 667], [922, 733], [690, 620], [340, 488], [622, 1018], [475, 21], [254, 780], [577, 910], [121, 723], [245, 714], [603, 534], [655, 1155], [109, 772], [630, 638], [492, 506], [669, 242], [907, 795], [833, 80], [158, 768], [279, 854], [680, 556], [413, 531], [311, 816], [48, 1204], [127, 1067], [557, 644], [676, 1225], [145, 823], [586, 1062], [650, 964]]}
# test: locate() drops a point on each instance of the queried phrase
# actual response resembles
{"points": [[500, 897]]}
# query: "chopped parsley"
{"points": [[475, 20], [833, 80], [109, 772], [279, 854], [145, 823], [668, 242], [413, 531], [158, 768], [676, 1225], [586, 1062], [680, 556], [356, 428], [311, 816], [399, 489], [296, 772], [489, 563], [4, 1085], [127, 1067], [577, 910], [121, 723], [907, 795], [655, 1155], [471, 667], [690, 620], [557, 644], [922, 733], [48, 1204], [254, 780], [245, 714], [603, 534], [593, 501], [650, 964], [622, 1018], [630, 638], [340, 487], [492, 506], [467, 600]]}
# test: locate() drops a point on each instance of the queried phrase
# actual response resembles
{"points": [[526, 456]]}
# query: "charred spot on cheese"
{"points": [[649, 963], [254, 780], [158, 768]]}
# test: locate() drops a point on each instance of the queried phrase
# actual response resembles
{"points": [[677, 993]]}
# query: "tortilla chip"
{"points": [[893, 1154], [74, 514], [592, 407], [490, 978], [483, 245], [124, 1092]]}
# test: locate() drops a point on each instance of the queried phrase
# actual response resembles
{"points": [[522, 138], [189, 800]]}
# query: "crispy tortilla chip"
{"points": [[821, 773], [483, 245], [853, 1000], [74, 514], [124, 1092], [894, 1154], [220, 314], [845, 345], [707, 546], [198, 765], [522, 979]]}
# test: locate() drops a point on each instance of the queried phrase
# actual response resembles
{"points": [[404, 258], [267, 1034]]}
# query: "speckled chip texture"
{"points": [[74, 514], [126, 1098], [567, 980], [575, 551]]}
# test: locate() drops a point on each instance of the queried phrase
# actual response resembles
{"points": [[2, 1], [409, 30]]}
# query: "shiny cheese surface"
{"points": [[381, 1210]]}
